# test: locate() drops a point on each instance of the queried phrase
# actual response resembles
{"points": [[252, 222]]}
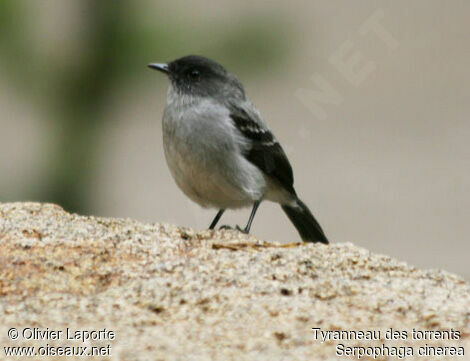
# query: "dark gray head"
{"points": [[199, 76]]}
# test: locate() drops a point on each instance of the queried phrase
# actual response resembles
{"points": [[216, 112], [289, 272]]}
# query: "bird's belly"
{"points": [[206, 181]]}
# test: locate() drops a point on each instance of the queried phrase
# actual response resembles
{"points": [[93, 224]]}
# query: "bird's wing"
{"points": [[264, 151]]}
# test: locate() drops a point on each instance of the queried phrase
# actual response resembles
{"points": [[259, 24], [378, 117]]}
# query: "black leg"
{"points": [[216, 219], [252, 216]]}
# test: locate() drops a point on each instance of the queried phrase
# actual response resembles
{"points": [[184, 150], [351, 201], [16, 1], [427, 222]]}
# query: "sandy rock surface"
{"points": [[170, 293]]}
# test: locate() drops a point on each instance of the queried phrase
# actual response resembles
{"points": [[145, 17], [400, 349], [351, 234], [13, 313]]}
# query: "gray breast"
{"points": [[205, 154]]}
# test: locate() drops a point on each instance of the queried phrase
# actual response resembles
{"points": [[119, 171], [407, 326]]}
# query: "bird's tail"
{"points": [[306, 224]]}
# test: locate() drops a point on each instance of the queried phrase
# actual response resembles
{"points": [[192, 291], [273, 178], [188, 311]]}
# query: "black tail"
{"points": [[306, 224]]}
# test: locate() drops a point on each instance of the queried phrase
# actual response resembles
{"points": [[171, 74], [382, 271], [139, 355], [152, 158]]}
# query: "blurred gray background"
{"points": [[379, 150]]}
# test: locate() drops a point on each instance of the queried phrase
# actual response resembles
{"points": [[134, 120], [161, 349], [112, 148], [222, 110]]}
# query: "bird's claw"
{"points": [[237, 228], [241, 230]]}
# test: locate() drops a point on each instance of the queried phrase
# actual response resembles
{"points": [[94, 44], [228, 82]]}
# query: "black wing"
{"points": [[265, 153]]}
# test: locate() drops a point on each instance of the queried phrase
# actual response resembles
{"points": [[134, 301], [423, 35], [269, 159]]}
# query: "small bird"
{"points": [[220, 151]]}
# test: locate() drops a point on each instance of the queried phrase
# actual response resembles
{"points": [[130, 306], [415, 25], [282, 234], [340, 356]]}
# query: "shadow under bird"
{"points": [[220, 151]]}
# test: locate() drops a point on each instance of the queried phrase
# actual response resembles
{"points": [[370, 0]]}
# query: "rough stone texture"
{"points": [[172, 293]]}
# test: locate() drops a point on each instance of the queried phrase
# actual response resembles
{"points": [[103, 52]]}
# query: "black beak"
{"points": [[160, 67]]}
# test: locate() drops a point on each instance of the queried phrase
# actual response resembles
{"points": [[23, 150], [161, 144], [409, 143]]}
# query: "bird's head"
{"points": [[199, 76]]}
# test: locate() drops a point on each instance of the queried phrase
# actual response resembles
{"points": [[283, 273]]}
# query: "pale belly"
{"points": [[212, 182]]}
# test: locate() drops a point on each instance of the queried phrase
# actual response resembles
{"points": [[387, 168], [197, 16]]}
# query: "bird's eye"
{"points": [[194, 74]]}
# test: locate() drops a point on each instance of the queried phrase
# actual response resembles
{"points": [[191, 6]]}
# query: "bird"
{"points": [[219, 149]]}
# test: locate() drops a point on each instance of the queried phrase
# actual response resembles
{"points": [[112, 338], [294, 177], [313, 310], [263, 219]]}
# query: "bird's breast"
{"points": [[205, 157]]}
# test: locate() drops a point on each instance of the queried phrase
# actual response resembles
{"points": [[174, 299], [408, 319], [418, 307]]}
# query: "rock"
{"points": [[170, 293]]}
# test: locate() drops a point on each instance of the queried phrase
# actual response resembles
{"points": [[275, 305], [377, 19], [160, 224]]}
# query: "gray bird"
{"points": [[220, 151]]}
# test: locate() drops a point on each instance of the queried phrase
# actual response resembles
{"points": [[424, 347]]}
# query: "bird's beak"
{"points": [[160, 67]]}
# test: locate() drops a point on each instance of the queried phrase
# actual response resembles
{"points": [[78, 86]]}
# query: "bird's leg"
{"points": [[217, 218], [250, 220]]}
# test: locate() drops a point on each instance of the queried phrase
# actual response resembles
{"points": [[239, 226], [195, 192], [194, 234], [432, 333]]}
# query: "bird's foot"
{"points": [[237, 228]]}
